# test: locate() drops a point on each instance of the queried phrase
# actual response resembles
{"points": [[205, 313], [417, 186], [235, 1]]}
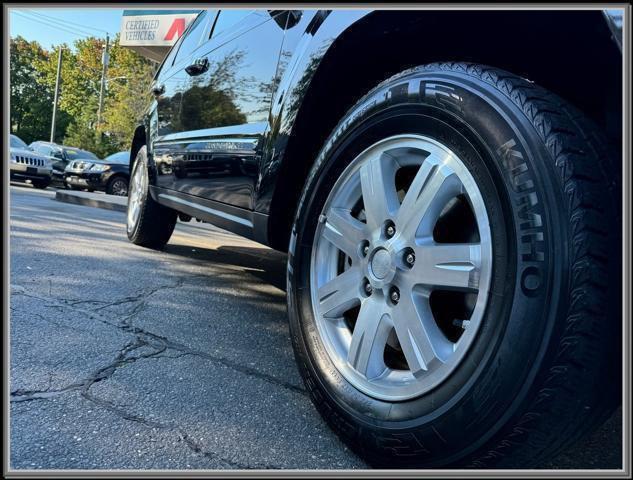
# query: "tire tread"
{"points": [[589, 340]]}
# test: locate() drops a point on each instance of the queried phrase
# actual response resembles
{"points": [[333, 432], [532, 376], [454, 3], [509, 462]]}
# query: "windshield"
{"points": [[16, 142], [76, 153], [119, 157]]}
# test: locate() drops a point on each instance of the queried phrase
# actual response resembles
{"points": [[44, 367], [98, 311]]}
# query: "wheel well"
{"points": [[138, 141], [571, 53]]}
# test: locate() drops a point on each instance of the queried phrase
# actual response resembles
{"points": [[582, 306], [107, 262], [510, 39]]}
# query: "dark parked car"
{"points": [[449, 205], [110, 175], [60, 155]]}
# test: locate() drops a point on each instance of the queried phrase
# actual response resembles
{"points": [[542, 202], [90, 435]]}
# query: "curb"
{"points": [[79, 199]]}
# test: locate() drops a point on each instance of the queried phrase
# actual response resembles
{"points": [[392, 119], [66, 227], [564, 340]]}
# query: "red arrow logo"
{"points": [[176, 29]]}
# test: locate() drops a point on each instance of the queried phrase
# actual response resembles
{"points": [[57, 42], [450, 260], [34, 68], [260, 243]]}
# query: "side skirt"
{"points": [[240, 221]]}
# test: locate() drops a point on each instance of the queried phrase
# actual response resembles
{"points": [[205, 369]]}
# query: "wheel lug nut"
{"points": [[368, 288], [410, 258], [365, 250], [394, 295], [389, 229]]}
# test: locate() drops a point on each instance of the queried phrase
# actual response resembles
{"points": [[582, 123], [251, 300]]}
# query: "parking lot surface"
{"points": [[122, 357]]}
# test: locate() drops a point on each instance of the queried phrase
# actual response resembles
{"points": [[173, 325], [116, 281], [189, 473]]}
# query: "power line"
{"points": [[65, 23], [57, 27], [80, 64], [86, 27], [60, 24]]}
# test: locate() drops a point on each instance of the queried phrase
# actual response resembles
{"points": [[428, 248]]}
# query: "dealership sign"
{"points": [[153, 32]]}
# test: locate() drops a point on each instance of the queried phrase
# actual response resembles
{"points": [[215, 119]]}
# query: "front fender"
{"points": [[320, 31]]}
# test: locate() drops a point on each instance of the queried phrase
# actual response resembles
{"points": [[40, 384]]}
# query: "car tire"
{"points": [[149, 224], [118, 186], [40, 184], [543, 366]]}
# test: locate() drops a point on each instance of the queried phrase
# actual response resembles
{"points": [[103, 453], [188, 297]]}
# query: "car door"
{"points": [[224, 88], [166, 86]]}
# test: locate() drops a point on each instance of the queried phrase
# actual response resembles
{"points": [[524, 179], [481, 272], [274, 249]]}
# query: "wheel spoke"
{"points": [[344, 231], [369, 339], [433, 186], [397, 267], [341, 293], [453, 266], [378, 187], [420, 338]]}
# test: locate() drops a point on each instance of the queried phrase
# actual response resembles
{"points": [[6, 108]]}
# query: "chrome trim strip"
{"points": [[217, 144], [207, 134], [212, 211]]}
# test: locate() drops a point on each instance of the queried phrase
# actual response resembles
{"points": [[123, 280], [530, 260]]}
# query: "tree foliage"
{"points": [[30, 96], [33, 76], [128, 94]]}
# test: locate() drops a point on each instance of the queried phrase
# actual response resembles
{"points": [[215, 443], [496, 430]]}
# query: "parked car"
{"points": [[60, 155], [110, 175], [449, 205], [27, 165]]}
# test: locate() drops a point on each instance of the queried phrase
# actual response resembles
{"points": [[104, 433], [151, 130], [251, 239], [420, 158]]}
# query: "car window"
{"points": [[192, 37], [41, 148], [119, 157], [169, 60], [75, 153], [17, 142], [229, 18]]}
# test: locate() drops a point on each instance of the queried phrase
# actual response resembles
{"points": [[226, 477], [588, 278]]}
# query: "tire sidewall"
{"points": [[139, 162], [501, 366]]}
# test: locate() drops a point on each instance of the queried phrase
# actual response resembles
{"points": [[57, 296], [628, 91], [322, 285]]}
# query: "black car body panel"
{"points": [[208, 134], [248, 101]]}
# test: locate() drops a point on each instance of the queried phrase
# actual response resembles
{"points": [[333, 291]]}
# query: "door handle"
{"points": [[199, 65], [158, 88]]}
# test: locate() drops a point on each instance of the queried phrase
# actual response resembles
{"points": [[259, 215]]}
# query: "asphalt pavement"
{"points": [[127, 358]]}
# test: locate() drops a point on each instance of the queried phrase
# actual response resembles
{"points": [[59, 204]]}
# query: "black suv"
{"points": [[449, 205], [110, 175]]}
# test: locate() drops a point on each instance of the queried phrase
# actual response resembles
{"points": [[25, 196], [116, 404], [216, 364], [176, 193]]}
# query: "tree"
{"points": [[80, 75], [31, 98], [125, 98], [83, 134], [128, 94]]}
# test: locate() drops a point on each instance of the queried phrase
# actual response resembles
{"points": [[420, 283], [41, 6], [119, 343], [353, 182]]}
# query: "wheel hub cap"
{"points": [[378, 313], [381, 264]]}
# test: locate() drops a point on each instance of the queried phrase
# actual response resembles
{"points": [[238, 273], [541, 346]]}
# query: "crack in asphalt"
{"points": [[142, 338], [127, 327], [195, 447], [124, 357]]}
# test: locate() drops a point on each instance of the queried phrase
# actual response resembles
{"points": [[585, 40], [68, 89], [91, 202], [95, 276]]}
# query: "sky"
{"points": [[52, 26]]}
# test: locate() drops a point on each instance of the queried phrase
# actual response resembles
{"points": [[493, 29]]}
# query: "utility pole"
{"points": [[59, 76], [104, 72]]}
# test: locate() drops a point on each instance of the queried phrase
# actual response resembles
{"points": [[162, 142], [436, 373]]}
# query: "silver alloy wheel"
{"points": [[137, 191], [119, 187], [376, 266]]}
